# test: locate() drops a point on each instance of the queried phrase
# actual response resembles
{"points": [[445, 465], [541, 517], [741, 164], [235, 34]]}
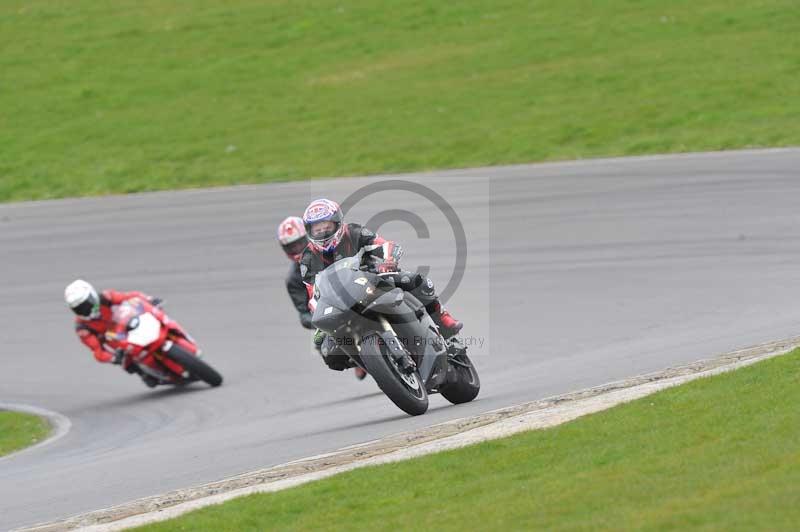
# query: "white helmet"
{"points": [[82, 298]]}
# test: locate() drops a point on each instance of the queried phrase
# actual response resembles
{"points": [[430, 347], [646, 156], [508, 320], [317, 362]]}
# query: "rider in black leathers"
{"points": [[330, 239]]}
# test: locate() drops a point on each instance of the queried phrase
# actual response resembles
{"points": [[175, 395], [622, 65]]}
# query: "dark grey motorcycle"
{"points": [[388, 332]]}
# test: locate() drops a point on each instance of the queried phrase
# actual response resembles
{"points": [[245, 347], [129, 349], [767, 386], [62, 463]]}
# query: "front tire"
{"points": [[195, 366], [467, 384], [407, 391]]}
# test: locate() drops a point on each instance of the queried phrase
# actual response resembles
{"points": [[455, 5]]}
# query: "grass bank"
{"points": [[719, 453], [18, 430], [132, 95]]}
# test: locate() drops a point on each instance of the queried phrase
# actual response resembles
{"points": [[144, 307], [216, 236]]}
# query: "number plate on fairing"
{"points": [[146, 332]]}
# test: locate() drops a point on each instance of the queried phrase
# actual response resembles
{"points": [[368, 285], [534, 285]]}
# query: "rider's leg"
{"points": [[149, 380], [332, 355]]}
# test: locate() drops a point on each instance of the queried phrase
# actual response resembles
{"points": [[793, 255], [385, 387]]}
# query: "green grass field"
{"points": [[18, 430], [721, 453], [130, 95]]}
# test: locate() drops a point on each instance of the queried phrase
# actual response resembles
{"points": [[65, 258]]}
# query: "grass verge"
{"points": [[18, 430], [132, 95], [718, 453]]}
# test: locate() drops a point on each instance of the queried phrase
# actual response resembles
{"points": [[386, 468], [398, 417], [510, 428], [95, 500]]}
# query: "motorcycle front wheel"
{"points": [[406, 390], [467, 384], [195, 366]]}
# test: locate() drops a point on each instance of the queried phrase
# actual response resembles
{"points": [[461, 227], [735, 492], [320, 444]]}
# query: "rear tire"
{"points": [[467, 385], [195, 366], [406, 391]]}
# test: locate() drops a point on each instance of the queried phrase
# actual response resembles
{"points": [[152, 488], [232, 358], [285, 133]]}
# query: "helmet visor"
{"points": [[86, 309], [323, 230], [296, 247]]}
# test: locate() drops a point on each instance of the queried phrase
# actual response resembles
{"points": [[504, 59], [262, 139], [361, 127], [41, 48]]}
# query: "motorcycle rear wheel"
{"points": [[195, 366], [406, 390]]}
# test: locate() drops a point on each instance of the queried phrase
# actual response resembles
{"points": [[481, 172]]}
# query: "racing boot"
{"points": [[360, 373], [149, 380], [448, 325]]}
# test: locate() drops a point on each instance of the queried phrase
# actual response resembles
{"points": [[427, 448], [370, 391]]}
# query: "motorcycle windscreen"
{"points": [[121, 314], [343, 288], [342, 291], [144, 330]]}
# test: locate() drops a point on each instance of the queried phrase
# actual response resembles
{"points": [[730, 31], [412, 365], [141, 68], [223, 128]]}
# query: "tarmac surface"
{"points": [[574, 274]]}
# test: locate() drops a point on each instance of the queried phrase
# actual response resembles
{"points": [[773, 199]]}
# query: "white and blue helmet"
{"points": [[324, 223]]}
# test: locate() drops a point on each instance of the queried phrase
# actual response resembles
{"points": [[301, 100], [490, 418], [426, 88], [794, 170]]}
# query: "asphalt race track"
{"points": [[576, 274]]}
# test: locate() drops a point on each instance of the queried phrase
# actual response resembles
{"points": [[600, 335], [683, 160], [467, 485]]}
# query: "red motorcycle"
{"points": [[157, 345]]}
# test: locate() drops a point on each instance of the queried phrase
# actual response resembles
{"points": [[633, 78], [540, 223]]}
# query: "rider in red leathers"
{"points": [[330, 239], [93, 318]]}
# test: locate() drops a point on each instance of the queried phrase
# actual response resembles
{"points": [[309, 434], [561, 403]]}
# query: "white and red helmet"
{"points": [[292, 237], [83, 299], [324, 224]]}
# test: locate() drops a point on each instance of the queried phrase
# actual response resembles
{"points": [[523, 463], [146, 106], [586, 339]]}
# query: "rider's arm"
{"points": [[308, 272], [115, 297], [312, 303], [388, 250], [91, 341], [299, 295], [297, 290], [385, 249], [368, 238], [309, 266]]}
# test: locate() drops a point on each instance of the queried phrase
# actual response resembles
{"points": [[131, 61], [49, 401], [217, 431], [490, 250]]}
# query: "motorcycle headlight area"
{"points": [[146, 332]]}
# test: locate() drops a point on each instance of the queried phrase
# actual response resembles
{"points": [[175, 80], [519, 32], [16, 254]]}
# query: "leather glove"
{"points": [[319, 337]]}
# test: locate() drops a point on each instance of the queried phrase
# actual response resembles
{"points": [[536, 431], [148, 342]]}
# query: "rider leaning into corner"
{"points": [[292, 238], [330, 239], [93, 317]]}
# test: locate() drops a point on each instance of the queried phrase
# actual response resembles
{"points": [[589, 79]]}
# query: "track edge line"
{"points": [[60, 425]]}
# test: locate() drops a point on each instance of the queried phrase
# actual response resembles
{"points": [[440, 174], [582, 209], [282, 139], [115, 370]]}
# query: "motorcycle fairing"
{"points": [[145, 331]]}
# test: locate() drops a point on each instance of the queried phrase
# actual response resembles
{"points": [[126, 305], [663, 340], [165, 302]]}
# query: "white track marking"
{"points": [[59, 423]]}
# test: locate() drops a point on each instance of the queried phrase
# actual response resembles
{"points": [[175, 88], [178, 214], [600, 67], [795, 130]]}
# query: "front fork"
{"points": [[395, 347]]}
